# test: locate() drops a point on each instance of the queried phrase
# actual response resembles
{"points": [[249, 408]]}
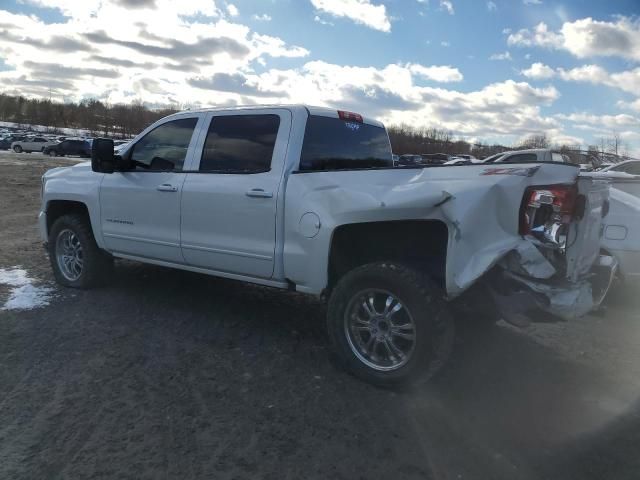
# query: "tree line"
{"points": [[127, 120], [117, 121]]}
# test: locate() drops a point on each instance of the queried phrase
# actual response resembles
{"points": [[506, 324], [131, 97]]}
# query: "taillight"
{"points": [[350, 116], [546, 210]]}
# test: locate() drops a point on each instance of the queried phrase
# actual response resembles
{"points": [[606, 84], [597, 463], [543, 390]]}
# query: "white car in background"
{"points": [[31, 144], [528, 156], [621, 234], [628, 167]]}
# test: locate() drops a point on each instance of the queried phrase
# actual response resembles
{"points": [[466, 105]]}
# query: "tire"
{"points": [[17, 149], [422, 307], [53, 153], [96, 265]]}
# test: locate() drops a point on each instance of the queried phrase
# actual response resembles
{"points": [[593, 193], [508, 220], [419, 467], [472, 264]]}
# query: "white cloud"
{"points": [[444, 43], [540, 36], [171, 54], [586, 38], [322, 21], [360, 11], [532, 2], [262, 18], [148, 57], [628, 80], [501, 56], [232, 10], [634, 105], [447, 5], [491, 6], [603, 125], [437, 73], [538, 71]]}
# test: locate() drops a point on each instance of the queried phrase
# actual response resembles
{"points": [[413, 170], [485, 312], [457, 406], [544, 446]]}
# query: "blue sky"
{"points": [[493, 70]]}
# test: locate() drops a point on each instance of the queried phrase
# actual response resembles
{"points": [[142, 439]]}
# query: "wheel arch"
{"points": [[421, 244], [57, 208]]}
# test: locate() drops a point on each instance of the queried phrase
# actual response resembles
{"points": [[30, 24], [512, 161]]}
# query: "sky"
{"points": [[495, 71]]}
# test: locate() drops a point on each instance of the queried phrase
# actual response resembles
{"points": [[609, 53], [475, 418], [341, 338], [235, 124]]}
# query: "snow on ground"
{"points": [[23, 294], [76, 132]]}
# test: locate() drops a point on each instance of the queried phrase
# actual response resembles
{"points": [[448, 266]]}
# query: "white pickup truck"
{"points": [[307, 199]]}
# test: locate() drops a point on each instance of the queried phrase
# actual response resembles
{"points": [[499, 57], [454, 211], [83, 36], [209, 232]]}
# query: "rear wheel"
{"points": [[389, 324], [17, 149], [53, 153], [76, 259]]}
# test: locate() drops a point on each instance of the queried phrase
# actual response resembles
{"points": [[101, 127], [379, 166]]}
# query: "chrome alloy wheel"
{"points": [[380, 329], [69, 255]]}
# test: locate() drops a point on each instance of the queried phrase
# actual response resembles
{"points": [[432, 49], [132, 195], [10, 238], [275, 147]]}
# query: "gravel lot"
{"points": [[167, 374]]}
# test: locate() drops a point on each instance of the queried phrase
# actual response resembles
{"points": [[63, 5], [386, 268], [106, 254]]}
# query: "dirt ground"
{"points": [[167, 374]]}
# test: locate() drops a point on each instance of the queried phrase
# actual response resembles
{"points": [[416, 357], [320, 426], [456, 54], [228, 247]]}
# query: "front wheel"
{"points": [[389, 325], [52, 153], [17, 149], [76, 259]]}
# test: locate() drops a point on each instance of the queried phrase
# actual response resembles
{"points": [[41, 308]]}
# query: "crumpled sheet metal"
{"points": [[568, 302]]}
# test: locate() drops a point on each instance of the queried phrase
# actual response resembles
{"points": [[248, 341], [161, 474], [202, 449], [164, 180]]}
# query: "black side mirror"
{"points": [[102, 156]]}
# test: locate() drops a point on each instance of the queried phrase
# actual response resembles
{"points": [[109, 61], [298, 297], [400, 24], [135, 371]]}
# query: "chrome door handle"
{"points": [[165, 187], [259, 193]]}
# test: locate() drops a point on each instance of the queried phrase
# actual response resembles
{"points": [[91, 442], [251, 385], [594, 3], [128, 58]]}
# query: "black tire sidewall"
{"points": [[424, 302]]}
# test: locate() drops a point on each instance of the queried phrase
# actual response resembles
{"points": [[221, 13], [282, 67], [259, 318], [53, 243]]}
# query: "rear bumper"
{"points": [[559, 300]]}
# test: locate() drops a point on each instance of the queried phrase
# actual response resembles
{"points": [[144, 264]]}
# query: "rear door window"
{"points": [[335, 144], [240, 144]]}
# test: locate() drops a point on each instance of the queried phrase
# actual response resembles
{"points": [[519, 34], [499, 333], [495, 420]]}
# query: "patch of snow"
{"points": [[76, 132], [15, 277], [23, 294]]}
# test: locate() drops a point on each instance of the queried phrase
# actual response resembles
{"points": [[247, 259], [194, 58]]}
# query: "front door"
{"points": [[140, 207], [229, 204]]}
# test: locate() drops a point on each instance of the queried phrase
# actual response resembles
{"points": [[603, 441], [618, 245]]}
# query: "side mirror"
{"points": [[102, 156]]}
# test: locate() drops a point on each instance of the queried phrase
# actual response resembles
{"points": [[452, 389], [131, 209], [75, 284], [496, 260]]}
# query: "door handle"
{"points": [[259, 193], [165, 187]]}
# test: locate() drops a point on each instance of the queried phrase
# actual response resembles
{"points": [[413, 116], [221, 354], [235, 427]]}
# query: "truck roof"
{"points": [[311, 110]]}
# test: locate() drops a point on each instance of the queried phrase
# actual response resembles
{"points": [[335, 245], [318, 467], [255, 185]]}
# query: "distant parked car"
{"points": [[31, 144], [9, 140], [73, 146], [5, 143], [631, 167], [528, 156], [621, 233], [468, 158], [410, 160], [463, 159]]}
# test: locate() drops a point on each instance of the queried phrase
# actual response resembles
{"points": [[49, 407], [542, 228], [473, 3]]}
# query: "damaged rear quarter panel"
{"points": [[479, 206]]}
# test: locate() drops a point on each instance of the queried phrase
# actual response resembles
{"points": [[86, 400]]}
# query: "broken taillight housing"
{"points": [[547, 212]]}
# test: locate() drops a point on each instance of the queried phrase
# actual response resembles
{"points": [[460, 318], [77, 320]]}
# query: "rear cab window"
{"points": [[334, 144], [520, 158]]}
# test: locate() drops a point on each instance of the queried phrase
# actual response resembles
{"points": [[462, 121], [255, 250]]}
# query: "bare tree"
{"points": [[535, 141]]}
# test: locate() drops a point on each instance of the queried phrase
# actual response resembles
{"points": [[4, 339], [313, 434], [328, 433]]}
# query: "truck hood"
{"points": [[77, 169]]}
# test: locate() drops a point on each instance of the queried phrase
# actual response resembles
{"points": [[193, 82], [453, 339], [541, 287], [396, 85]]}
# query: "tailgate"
{"points": [[584, 238]]}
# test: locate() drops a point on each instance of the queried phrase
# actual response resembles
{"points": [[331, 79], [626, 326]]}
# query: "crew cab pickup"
{"points": [[307, 199]]}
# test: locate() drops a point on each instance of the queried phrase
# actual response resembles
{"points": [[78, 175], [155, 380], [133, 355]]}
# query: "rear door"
{"points": [[229, 202]]}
